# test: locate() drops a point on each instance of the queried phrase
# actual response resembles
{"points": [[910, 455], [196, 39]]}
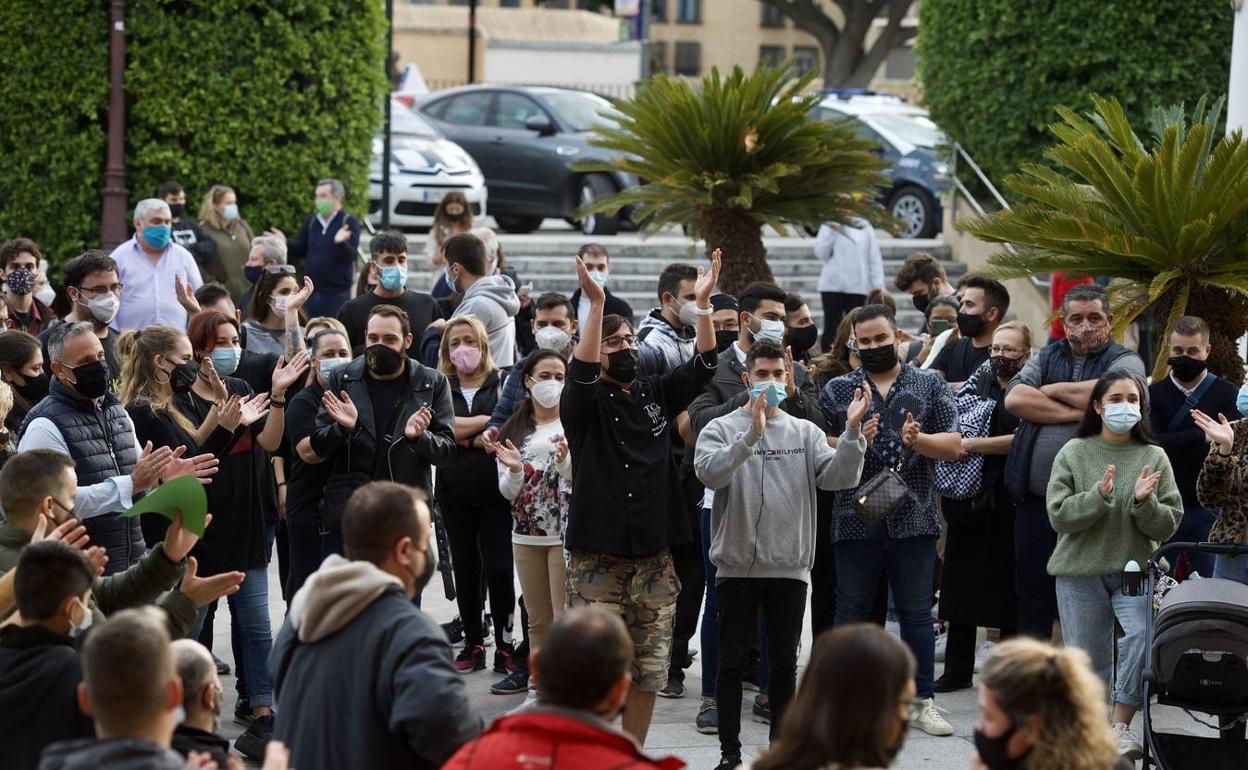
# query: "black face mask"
{"points": [[455, 217], [176, 209], [970, 325], [724, 339], [879, 359], [995, 752], [1186, 368], [803, 338], [35, 388], [1004, 367], [622, 365], [421, 579], [183, 377], [253, 272], [91, 380], [921, 302], [382, 360]]}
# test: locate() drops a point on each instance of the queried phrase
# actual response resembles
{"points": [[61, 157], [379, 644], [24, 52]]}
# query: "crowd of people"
{"points": [[710, 465]]}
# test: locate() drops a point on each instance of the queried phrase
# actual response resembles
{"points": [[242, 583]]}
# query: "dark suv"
{"points": [[525, 139]]}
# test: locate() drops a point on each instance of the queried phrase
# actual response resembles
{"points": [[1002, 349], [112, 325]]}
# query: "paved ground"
{"points": [[673, 732]]}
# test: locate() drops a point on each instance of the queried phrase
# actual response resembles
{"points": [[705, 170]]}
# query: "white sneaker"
{"points": [[1129, 745], [942, 642], [530, 701], [981, 655], [931, 722]]}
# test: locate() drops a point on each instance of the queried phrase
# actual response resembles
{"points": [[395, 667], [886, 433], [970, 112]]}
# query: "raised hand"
{"points": [[254, 409], [590, 289], [208, 373], [790, 386], [507, 454], [1106, 487], [203, 591], [417, 423], [1146, 483], [150, 467], [704, 286], [230, 413], [185, 294], [870, 428], [286, 373], [296, 300], [910, 431], [561, 450], [98, 558], [1217, 431], [178, 541], [858, 408], [341, 410], [343, 234], [201, 466], [758, 415]]}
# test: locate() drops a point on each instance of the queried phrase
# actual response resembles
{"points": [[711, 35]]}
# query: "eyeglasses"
{"points": [[277, 269], [616, 343], [115, 288], [1000, 350]]}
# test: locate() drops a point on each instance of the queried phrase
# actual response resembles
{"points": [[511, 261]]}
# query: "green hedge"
{"points": [[264, 95], [993, 70]]}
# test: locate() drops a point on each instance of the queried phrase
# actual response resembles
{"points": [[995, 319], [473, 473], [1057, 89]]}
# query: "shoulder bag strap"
{"points": [[1190, 403]]}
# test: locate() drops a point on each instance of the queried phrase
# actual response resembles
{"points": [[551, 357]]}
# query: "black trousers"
{"points": [[305, 555], [783, 604], [687, 559], [823, 574], [835, 305], [1034, 541], [480, 538]]}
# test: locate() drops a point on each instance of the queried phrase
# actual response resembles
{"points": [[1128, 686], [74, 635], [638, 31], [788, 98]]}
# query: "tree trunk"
{"points": [[740, 238], [1227, 315]]}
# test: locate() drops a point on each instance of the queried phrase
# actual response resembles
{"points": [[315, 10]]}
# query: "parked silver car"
{"points": [[424, 167]]}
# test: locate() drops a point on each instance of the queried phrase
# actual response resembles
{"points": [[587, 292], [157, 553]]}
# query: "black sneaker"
{"points": [[708, 717], [223, 668], [762, 710], [242, 713], [949, 684], [471, 658], [728, 763], [513, 684], [252, 743], [454, 630], [504, 659], [675, 688]]}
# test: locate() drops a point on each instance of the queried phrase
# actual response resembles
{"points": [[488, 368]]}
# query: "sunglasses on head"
{"points": [[278, 269]]}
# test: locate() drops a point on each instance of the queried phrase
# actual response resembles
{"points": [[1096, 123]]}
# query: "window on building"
{"points": [[770, 16], [688, 59], [771, 55], [658, 56], [688, 11], [900, 63], [805, 58], [658, 10]]}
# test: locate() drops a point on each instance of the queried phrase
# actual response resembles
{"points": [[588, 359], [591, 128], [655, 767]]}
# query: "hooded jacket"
{"points": [[363, 678], [555, 739], [662, 347], [493, 301], [113, 754], [39, 675]]}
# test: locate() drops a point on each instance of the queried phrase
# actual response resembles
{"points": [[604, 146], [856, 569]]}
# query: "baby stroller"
{"points": [[1198, 661]]}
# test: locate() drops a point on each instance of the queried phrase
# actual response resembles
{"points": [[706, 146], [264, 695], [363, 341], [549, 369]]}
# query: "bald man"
{"points": [[202, 702]]}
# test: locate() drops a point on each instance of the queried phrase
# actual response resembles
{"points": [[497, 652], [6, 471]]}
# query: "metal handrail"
{"points": [[959, 150]]}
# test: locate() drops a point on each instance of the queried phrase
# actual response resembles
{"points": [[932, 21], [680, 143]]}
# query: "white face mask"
{"points": [[552, 338], [279, 305], [78, 629], [547, 392], [46, 295], [104, 307]]}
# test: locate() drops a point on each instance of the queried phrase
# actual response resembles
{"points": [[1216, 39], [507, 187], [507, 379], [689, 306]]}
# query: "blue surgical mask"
{"points": [[327, 366], [393, 278], [78, 629], [1122, 417], [157, 236], [230, 212], [769, 331], [225, 360], [776, 392], [1241, 400], [600, 276]]}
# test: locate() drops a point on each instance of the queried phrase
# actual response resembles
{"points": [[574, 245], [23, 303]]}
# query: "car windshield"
{"points": [[918, 130], [581, 111], [404, 120]]}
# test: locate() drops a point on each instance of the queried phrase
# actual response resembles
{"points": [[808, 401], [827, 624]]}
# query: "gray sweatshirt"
{"points": [[493, 301], [763, 521]]}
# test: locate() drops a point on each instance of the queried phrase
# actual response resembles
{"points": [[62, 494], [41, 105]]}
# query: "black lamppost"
{"points": [[385, 140], [113, 195], [472, 41]]}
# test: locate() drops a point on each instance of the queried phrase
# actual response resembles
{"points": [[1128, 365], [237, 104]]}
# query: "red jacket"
{"points": [[554, 739]]}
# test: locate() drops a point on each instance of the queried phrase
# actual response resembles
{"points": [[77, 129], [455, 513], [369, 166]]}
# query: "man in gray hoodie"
{"points": [[491, 298], [765, 466]]}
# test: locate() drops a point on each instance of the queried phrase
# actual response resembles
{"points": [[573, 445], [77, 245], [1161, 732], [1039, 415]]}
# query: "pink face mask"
{"points": [[466, 359]]}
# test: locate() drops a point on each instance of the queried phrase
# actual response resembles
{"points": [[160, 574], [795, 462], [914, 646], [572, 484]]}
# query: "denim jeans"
{"points": [[1088, 607], [249, 619], [909, 563], [1194, 528], [1232, 568], [710, 615]]}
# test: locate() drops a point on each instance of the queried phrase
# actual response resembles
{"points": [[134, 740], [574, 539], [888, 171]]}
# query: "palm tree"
{"points": [[1168, 222], [728, 155]]}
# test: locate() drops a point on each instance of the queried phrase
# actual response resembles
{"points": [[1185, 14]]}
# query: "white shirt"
{"points": [[112, 495], [147, 293], [1186, 390], [582, 310], [852, 263]]}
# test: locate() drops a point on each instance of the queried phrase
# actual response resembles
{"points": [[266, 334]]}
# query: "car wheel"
{"points": [[517, 224], [914, 208], [595, 187]]}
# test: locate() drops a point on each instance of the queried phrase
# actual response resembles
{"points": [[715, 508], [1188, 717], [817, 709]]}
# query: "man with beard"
{"points": [[1049, 396], [201, 702], [355, 652]]}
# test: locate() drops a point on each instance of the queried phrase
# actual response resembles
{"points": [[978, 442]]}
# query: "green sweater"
{"points": [[1096, 536]]}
